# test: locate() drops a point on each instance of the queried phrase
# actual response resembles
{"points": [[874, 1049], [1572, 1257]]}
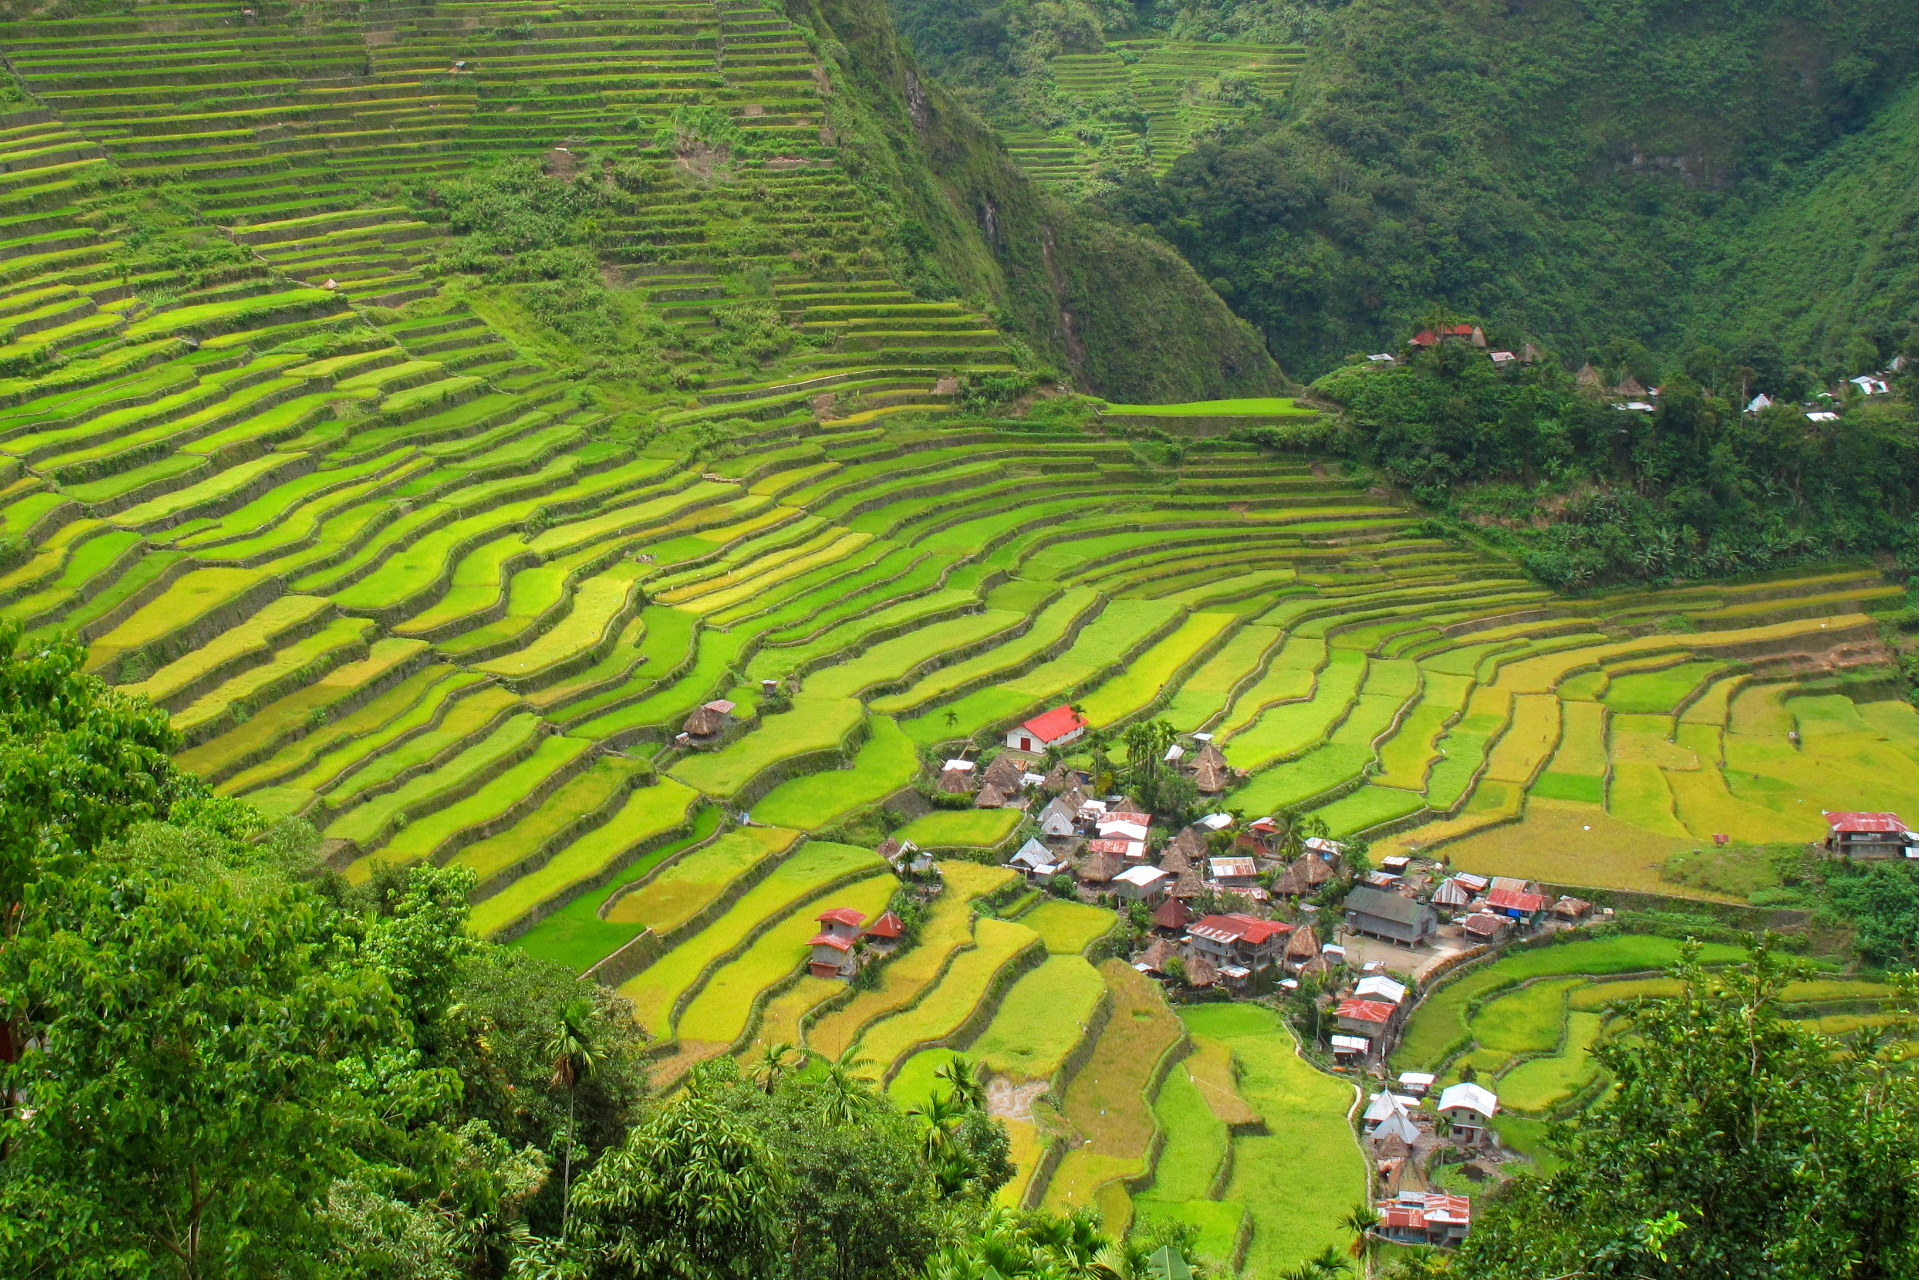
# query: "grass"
{"points": [[1528, 1020], [1068, 928], [1106, 1103], [940, 1010], [1204, 694], [575, 935], [960, 828], [682, 890], [814, 724], [1042, 1017], [719, 1014], [803, 874], [1306, 1169], [948, 927]]}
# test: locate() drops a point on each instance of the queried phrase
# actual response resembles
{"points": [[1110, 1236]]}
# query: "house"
{"points": [[1050, 729], [1822, 415], [1869, 835], [1379, 987], [1425, 1217], [1173, 753], [833, 944], [1369, 1018], [1758, 402], [1036, 862], [1058, 819], [1396, 865], [885, 933], [1302, 947], [1235, 875], [709, 722], [1099, 868], [831, 951], [1130, 850], [992, 797], [1381, 357], [1527, 909], [1006, 771], [1868, 385], [1486, 926], [1302, 876], [1157, 953], [1504, 359], [1172, 916], [1417, 1084], [1348, 1049], [1571, 909], [904, 856], [1378, 913], [1381, 1106], [1451, 893], [1471, 1108], [1239, 941], [1475, 884], [957, 778], [1140, 884], [1211, 773], [1111, 827]]}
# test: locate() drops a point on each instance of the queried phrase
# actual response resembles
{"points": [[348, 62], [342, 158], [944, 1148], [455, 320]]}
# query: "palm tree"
{"points": [[952, 719], [1327, 1264], [574, 1059], [776, 1060], [942, 1114], [1362, 1219], [848, 1093], [962, 1077]]}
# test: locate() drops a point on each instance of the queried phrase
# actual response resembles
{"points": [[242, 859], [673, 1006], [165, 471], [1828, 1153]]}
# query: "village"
{"points": [[1229, 907], [1631, 395]]}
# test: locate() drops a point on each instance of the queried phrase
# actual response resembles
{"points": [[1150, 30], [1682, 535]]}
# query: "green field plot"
{"points": [[814, 724], [883, 765], [575, 935], [1120, 628], [1144, 679], [1542, 1085], [806, 872], [1265, 407], [948, 928], [961, 828], [1049, 626], [682, 890], [943, 1008], [719, 1014], [1528, 1020], [1203, 695], [1106, 1102], [1068, 928], [1042, 1017], [1298, 1177], [1196, 1142]]}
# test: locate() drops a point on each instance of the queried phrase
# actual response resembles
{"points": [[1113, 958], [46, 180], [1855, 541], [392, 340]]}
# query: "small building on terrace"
{"points": [[1047, 730], [1869, 835], [1392, 917]]}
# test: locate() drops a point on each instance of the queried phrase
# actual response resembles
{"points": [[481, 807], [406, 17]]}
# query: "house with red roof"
{"points": [[1369, 1018], [1425, 1217], [840, 929], [1869, 835], [1526, 909], [1049, 729], [831, 951], [1240, 945]]}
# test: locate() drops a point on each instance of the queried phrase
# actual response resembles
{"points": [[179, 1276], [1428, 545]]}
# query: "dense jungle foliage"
{"points": [[1588, 492], [219, 1060], [1662, 170]]}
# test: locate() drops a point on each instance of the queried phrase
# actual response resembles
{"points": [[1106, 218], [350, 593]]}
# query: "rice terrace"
{"points": [[778, 650]]}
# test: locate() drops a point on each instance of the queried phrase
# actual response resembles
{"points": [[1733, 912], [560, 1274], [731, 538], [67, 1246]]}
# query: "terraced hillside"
{"points": [[399, 563], [1143, 103], [1524, 1025]]}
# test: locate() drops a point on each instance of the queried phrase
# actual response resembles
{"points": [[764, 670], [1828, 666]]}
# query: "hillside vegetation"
{"points": [[1578, 168]]}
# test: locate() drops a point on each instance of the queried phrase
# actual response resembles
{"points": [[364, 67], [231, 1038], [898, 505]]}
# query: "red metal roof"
{"points": [[1364, 1011], [1053, 725], [1513, 900], [842, 915], [1848, 822], [1127, 815], [887, 926], [1121, 847], [1241, 928], [837, 941]]}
